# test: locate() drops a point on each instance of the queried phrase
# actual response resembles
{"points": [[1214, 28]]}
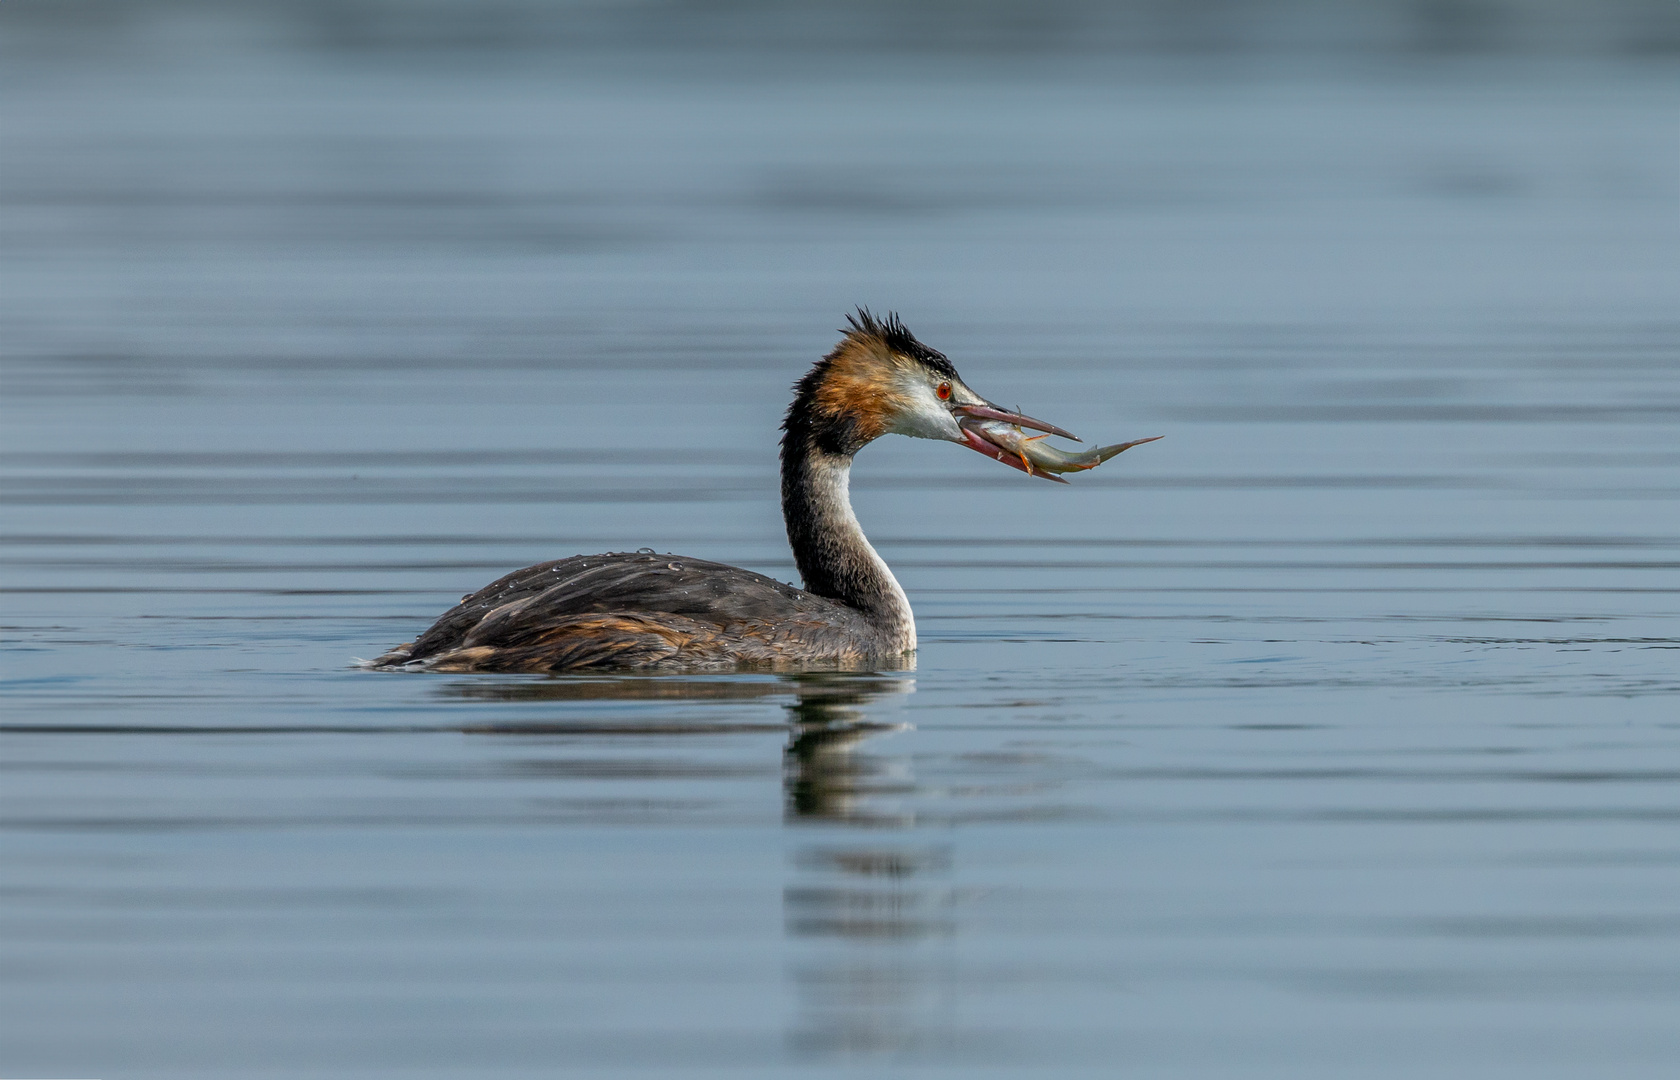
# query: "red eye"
{"points": [[944, 391]]}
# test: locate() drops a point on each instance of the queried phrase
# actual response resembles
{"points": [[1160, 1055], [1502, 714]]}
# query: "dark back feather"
{"points": [[637, 610]]}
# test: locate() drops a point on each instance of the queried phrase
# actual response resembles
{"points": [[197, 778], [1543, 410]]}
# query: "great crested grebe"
{"points": [[657, 612]]}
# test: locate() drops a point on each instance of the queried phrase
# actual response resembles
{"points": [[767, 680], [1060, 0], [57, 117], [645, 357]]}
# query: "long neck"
{"points": [[835, 559]]}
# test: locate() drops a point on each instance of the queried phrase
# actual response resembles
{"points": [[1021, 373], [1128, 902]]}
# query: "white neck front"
{"points": [[834, 557]]}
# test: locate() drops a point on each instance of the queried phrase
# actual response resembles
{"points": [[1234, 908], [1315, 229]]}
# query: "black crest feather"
{"points": [[897, 337]]}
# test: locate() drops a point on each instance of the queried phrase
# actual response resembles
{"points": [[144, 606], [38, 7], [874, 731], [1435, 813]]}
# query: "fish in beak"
{"points": [[1001, 435]]}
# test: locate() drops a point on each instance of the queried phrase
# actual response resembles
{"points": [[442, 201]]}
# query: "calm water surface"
{"points": [[1333, 735]]}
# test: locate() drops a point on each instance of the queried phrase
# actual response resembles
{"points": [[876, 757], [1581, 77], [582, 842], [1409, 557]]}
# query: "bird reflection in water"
{"points": [[824, 776], [868, 933], [868, 917]]}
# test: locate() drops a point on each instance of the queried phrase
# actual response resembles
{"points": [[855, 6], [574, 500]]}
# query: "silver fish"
{"points": [[1031, 454]]}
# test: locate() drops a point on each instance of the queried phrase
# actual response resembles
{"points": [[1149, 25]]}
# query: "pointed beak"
{"points": [[968, 415], [992, 412]]}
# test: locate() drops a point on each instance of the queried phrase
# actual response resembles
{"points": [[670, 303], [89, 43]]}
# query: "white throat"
{"points": [[831, 503]]}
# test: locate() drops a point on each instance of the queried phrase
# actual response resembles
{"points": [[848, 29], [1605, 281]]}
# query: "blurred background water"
{"points": [[1333, 735]]}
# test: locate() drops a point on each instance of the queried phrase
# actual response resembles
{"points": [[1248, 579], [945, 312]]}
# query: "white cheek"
{"points": [[929, 418]]}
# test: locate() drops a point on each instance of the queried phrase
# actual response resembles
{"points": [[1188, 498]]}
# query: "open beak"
{"points": [[968, 414], [992, 412]]}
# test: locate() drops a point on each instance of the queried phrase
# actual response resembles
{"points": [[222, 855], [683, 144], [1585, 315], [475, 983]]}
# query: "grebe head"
{"points": [[879, 380]]}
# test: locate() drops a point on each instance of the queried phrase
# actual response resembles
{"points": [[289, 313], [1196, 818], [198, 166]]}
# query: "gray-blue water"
{"points": [[1333, 735]]}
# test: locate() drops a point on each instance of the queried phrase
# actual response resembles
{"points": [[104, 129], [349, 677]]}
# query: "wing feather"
{"points": [[635, 611]]}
